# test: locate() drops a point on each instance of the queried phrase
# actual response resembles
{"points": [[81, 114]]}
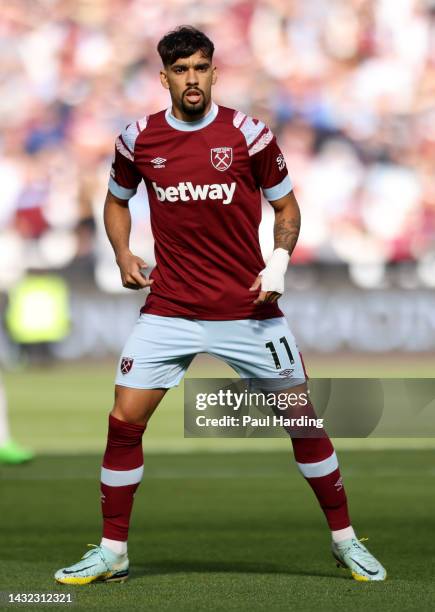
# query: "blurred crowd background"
{"points": [[348, 86]]}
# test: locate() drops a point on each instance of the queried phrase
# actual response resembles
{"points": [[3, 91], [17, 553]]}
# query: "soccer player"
{"points": [[203, 166]]}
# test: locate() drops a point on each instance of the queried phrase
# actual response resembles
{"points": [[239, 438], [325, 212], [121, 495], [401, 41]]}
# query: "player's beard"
{"points": [[193, 110]]}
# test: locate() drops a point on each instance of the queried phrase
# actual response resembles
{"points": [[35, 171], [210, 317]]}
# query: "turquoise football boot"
{"points": [[354, 556], [97, 565]]}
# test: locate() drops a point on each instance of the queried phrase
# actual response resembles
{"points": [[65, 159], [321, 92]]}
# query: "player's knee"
{"points": [[128, 416], [130, 408]]}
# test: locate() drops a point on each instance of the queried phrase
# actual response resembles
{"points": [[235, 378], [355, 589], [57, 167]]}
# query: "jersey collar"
{"points": [[190, 126]]}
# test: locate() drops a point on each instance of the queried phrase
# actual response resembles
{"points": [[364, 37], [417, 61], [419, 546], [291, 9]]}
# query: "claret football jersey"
{"points": [[204, 180]]}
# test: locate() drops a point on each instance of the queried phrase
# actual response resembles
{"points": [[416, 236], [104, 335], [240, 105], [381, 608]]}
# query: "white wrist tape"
{"points": [[272, 277]]}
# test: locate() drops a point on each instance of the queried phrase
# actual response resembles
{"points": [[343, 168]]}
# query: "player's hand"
{"points": [[264, 296], [270, 281], [132, 270]]}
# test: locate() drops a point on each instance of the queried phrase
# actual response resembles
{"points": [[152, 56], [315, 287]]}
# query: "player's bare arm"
{"points": [[117, 221], [286, 232], [287, 222]]}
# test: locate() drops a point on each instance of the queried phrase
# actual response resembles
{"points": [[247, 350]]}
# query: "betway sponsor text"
{"points": [[185, 192]]}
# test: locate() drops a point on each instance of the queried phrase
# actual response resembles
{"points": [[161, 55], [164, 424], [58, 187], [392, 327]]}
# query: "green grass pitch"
{"points": [[217, 524], [226, 531]]}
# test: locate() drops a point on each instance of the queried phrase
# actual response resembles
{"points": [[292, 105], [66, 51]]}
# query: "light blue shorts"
{"points": [[160, 349]]}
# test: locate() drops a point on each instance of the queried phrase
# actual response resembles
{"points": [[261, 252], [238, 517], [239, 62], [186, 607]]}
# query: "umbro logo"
{"points": [[159, 162], [286, 373]]}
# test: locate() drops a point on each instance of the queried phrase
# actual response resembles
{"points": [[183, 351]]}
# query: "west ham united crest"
{"points": [[221, 158], [126, 364]]}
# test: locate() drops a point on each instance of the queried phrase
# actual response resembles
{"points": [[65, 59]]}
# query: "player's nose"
{"points": [[192, 78]]}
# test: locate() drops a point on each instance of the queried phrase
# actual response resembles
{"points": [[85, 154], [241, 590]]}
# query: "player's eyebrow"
{"points": [[197, 66], [202, 65]]}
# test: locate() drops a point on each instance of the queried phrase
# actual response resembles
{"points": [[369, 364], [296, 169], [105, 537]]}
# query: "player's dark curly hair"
{"points": [[184, 41]]}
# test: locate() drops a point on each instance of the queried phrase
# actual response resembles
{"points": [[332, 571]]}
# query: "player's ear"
{"points": [[164, 79], [214, 75]]}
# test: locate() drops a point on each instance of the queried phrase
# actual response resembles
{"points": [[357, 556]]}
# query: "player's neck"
{"points": [[196, 123], [178, 114]]}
